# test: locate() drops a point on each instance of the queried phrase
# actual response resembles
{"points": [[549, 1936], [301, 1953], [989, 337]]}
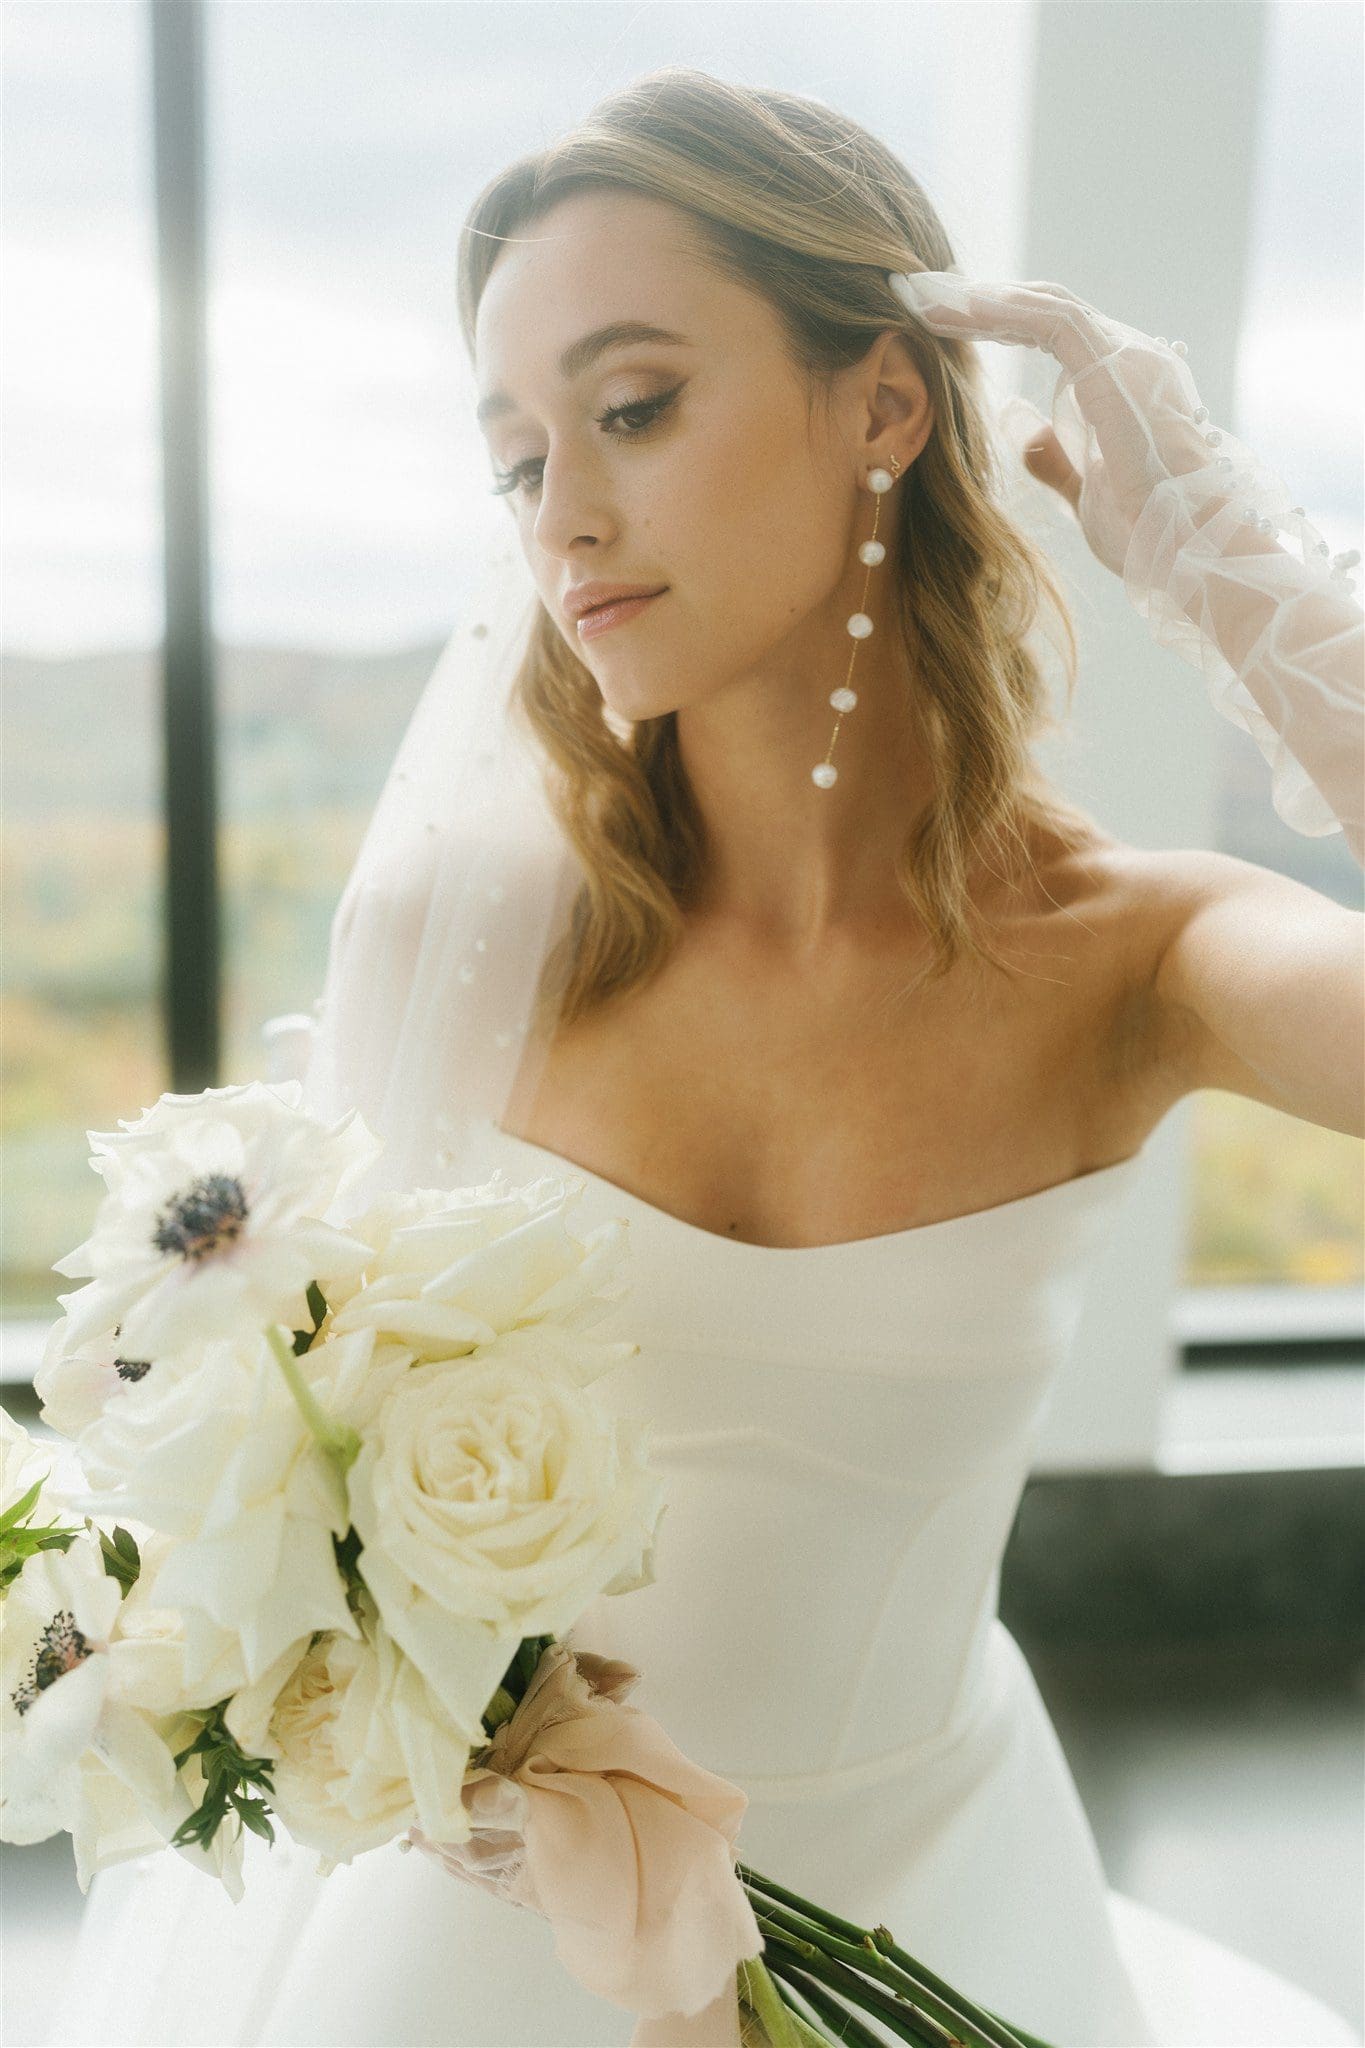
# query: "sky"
{"points": [[347, 138]]}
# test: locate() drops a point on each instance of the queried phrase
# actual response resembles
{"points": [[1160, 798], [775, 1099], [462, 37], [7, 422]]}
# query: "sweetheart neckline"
{"points": [[844, 1244]]}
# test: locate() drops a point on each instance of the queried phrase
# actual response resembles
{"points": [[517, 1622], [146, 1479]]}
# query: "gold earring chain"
{"points": [[824, 774]]}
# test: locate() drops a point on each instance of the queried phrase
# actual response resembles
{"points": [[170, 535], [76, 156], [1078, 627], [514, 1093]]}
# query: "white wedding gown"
{"points": [[844, 1432]]}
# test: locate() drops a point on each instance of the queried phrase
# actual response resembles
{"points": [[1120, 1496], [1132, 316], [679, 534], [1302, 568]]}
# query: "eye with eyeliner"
{"points": [[651, 408]]}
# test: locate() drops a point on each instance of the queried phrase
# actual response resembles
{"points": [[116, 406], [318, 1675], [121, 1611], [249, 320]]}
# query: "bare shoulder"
{"points": [[1148, 901], [1135, 901]]}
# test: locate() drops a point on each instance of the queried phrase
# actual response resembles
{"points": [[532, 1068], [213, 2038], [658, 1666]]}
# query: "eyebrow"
{"points": [[580, 355]]}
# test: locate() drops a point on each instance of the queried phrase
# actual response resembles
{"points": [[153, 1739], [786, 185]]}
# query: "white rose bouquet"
{"points": [[362, 1484]]}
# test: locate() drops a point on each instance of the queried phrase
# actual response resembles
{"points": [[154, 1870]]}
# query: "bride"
{"points": [[786, 952]]}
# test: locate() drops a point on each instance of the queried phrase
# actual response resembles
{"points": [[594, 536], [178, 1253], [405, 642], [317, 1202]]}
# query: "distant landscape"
{"points": [[305, 741]]}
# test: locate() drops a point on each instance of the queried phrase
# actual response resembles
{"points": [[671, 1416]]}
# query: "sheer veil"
{"points": [[463, 882]]}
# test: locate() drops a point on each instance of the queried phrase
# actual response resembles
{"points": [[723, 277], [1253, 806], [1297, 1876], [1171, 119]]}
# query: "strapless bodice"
{"points": [[844, 1432]]}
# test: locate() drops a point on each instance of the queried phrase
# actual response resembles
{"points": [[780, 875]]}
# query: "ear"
{"points": [[897, 397]]}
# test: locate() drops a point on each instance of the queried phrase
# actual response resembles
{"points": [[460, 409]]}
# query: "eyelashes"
{"points": [[652, 409]]}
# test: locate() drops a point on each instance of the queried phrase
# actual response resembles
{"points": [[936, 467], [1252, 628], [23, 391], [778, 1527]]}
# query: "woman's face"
{"points": [[716, 487]]}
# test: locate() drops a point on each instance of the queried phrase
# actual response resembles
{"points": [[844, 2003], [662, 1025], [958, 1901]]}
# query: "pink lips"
{"points": [[615, 612]]}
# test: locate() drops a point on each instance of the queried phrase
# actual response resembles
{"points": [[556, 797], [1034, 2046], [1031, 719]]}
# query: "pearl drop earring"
{"points": [[824, 774]]}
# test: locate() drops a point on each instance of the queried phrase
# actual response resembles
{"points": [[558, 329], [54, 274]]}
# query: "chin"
{"points": [[629, 706]]}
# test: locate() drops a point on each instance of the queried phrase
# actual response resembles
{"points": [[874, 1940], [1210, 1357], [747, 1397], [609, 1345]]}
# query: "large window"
{"points": [[1277, 1200], [347, 486], [83, 849]]}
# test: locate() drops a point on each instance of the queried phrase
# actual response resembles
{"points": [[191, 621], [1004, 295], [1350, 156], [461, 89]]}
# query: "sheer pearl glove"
{"points": [[1189, 517]]}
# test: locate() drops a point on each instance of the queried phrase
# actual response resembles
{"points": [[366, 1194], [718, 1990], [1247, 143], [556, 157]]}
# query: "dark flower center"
{"points": [[61, 1647], [204, 1218], [130, 1368]]}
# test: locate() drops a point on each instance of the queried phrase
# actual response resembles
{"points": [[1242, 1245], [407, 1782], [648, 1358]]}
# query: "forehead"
{"points": [[594, 261]]}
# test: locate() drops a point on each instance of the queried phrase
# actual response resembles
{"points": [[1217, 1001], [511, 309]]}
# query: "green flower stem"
{"points": [[500, 1708], [820, 1914], [759, 1991], [337, 1439], [997, 2031], [813, 2036], [904, 2021], [866, 1957], [981, 2026], [843, 2025]]}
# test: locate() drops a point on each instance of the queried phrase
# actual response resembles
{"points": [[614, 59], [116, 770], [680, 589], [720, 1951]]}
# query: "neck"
{"points": [[795, 864]]}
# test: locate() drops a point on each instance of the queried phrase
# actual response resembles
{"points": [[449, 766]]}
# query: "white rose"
{"points": [[495, 1498], [362, 1746], [213, 1219], [453, 1269]]}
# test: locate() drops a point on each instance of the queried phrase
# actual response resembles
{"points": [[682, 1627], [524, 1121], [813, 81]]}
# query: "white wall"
{"points": [[1139, 199]]}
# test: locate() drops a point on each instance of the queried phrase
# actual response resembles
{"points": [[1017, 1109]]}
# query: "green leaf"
{"points": [[229, 1775], [20, 1508], [17, 1546], [317, 1309], [122, 1559]]}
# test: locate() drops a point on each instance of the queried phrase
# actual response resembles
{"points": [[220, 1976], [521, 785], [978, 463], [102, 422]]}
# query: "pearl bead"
{"points": [[843, 700], [1178, 348], [879, 480], [1160, 340], [1214, 438], [1201, 413], [860, 625], [1297, 510], [872, 552], [824, 775]]}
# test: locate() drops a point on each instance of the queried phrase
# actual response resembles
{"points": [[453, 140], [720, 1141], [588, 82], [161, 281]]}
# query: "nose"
{"points": [[570, 513]]}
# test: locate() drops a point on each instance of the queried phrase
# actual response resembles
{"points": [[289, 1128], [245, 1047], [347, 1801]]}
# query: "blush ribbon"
{"points": [[582, 1809]]}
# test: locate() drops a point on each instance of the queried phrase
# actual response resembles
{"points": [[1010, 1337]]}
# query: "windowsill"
{"points": [[1267, 1315], [1260, 1418]]}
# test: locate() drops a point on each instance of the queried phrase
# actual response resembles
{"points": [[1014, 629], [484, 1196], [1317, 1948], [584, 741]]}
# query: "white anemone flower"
{"points": [[221, 1460], [214, 1219], [76, 1378], [80, 1750], [55, 1629]]}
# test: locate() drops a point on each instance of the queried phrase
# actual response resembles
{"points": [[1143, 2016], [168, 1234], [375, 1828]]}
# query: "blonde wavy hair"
{"points": [[801, 204]]}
